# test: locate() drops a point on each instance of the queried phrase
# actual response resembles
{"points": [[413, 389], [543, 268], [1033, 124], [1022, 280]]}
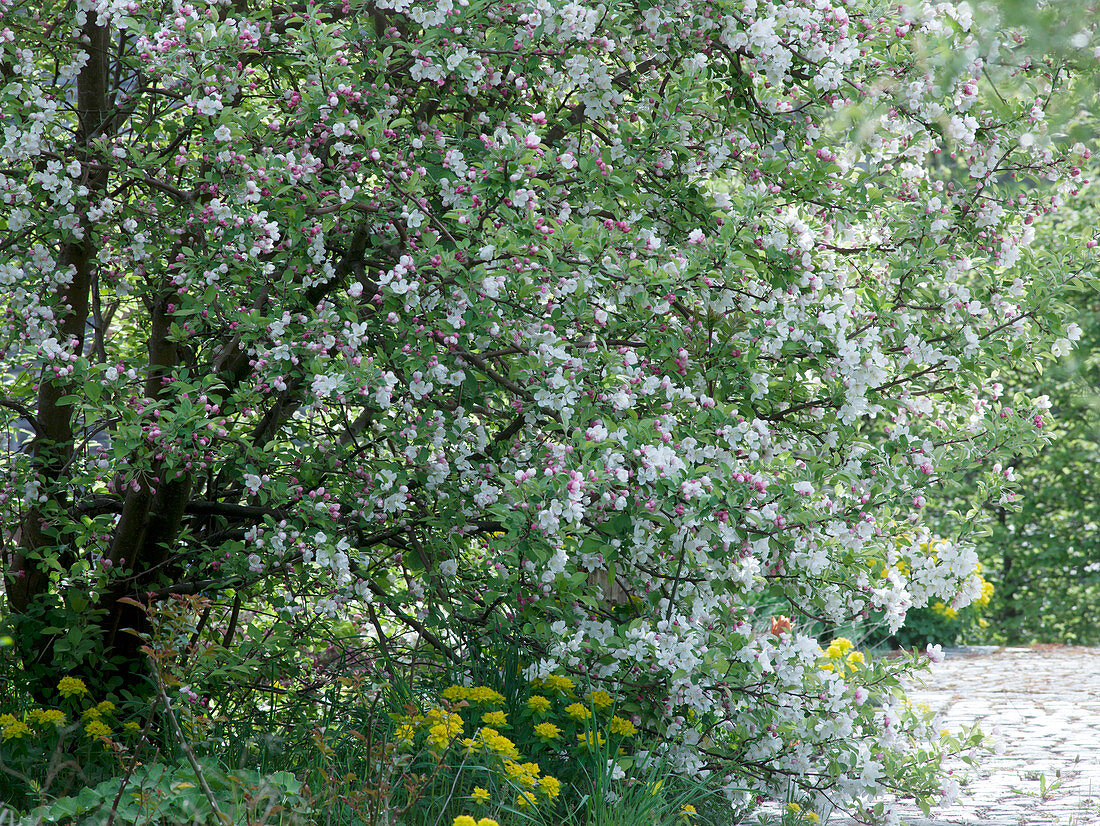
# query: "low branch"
{"points": [[24, 413], [96, 505]]}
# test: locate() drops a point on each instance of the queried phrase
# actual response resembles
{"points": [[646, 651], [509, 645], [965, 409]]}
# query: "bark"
{"points": [[149, 523]]}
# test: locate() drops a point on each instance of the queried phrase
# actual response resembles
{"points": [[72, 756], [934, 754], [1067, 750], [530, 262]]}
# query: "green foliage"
{"points": [[1042, 555], [1039, 548], [941, 624], [174, 796]]}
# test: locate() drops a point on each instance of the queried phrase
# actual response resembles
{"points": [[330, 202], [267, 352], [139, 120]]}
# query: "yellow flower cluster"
{"points": [[11, 728], [547, 731], [600, 699], [578, 712], [840, 653], [500, 754], [406, 730], [555, 682], [525, 776], [97, 711], [550, 786], [97, 728], [492, 740], [443, 728], [522, 774], [71, 686], [455, 693], [47, 716], [466, 820], [621, 727], [838, 648], [944, 610], [987, 594], [808, 817], [484, 695], [478, 694], [536, 702]]}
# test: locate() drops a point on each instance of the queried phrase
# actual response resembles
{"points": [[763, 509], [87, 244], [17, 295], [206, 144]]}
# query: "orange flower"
{"points": [[781, 624]]}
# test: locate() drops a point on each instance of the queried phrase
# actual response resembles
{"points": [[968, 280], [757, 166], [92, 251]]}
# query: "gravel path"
{"points": [[1042, 704]]}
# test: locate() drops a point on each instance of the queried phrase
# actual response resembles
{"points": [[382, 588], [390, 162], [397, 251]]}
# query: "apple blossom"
{"points": [[630, 321]]}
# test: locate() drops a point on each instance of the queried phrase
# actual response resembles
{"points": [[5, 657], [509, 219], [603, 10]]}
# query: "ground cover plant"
{"points": [[373, 369]]}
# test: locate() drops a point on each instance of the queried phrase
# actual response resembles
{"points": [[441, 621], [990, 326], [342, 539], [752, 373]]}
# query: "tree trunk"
{"points": [[28, 581]]}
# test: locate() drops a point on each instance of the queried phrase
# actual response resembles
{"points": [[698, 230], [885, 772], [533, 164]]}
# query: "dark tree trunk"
{"points": [[28, 582]]}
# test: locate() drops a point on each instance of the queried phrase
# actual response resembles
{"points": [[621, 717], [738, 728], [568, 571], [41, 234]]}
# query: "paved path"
{"points": [[1043, 706]]}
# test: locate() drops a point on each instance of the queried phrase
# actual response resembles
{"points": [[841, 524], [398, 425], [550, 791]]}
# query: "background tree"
{"points": [[1040, 551], [1038, 548]]}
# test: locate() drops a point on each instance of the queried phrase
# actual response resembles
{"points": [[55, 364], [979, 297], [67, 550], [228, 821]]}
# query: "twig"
{"points": [[23, 411], [187, 746], [133, 764]]}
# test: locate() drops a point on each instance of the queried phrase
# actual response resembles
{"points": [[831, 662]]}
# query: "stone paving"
{"points": [[1043, 706]]}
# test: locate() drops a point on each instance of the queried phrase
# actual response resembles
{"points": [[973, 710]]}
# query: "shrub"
{"points": [[604, 330]]}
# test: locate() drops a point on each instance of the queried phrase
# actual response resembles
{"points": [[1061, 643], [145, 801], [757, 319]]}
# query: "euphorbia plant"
{"points": [[591, 324]]}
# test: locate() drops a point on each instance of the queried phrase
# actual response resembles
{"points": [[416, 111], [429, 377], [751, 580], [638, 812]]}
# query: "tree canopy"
{"points": [[616, 332]]}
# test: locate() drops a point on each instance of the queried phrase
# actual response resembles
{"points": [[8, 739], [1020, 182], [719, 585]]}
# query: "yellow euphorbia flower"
{"points": [[550, 786], [578, 712], [47, 716], [12, 729], [97, 728], [70, 686], [838, 648], [600, 699], [496, 742], [484, 694], [445, 727], [554, 682], [455, 693], [547, 731], [525, 774], [624, 728]]}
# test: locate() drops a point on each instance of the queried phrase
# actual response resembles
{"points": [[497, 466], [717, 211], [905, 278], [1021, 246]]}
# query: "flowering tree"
{"points": [[611, 328]]}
